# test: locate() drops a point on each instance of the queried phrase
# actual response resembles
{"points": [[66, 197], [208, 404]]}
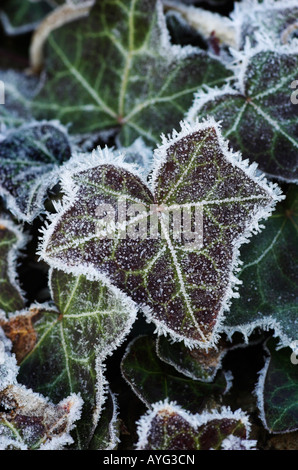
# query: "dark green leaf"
{"points": [[106, 434], [11, 240], [153, 380], [22, 16], [120, 70], [259, 117], [67, 344], [29, 159], [277, 390], [196, 363], [268, 295]]}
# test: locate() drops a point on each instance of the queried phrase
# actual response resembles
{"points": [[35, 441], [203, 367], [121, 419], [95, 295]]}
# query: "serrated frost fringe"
{"points": [[42, 183], [248, 8], [259, 393], [14, 253], [250, 170], [195, 420], [266, 323]]}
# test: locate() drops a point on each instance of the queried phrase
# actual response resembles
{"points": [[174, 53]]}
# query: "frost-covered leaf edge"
{"points": [[250, 170], [246, 7], [44, 182], [259, 389], [195, 420], [13, 254], [81, 162]]}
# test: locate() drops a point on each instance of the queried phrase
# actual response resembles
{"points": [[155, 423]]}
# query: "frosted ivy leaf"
{"points": [[277, 19], [21, 17], [19, 90], [140, 155], [169, 427], [11, 241], [277, 390], [8, 363], [258, 116], [106, 434], [152, 379], [31, 422], [183, 285], [196, 363], [30, 157], [120, 69], [268, 295], [73, 338]]}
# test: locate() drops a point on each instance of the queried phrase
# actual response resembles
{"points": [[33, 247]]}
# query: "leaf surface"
{"points": [[277, 390], [30, 422], [11, 240], [183, 283], [30, 157], [61, 348], [121, 71], [268, 295], [153, 380], [258, 116], [169, 427]]}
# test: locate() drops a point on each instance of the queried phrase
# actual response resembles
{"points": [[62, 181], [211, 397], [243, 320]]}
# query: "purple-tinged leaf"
{"points": [[184, 286], [169, 427]]}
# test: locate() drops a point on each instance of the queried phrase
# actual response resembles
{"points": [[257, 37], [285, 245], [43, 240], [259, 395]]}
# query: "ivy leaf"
{"points": [[169, 427], [21, 17], [258, 117], [196, 363], [106, 434], [30, 422], [121, 71], [8, 363], [153, 380], [19, 90], [30, 157], [276, 19], [270, 278], [11, 241], [61, 348], [184, 287], [277, 390]]}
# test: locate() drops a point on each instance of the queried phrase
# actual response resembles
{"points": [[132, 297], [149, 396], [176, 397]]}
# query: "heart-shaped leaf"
{"points": [[268, 295], [30, 157], [258, 117], [169, 427], [72, 339], [277, 390], [183, 278], [121, 71], [277, 19], [153, 380], [11, 241]]}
